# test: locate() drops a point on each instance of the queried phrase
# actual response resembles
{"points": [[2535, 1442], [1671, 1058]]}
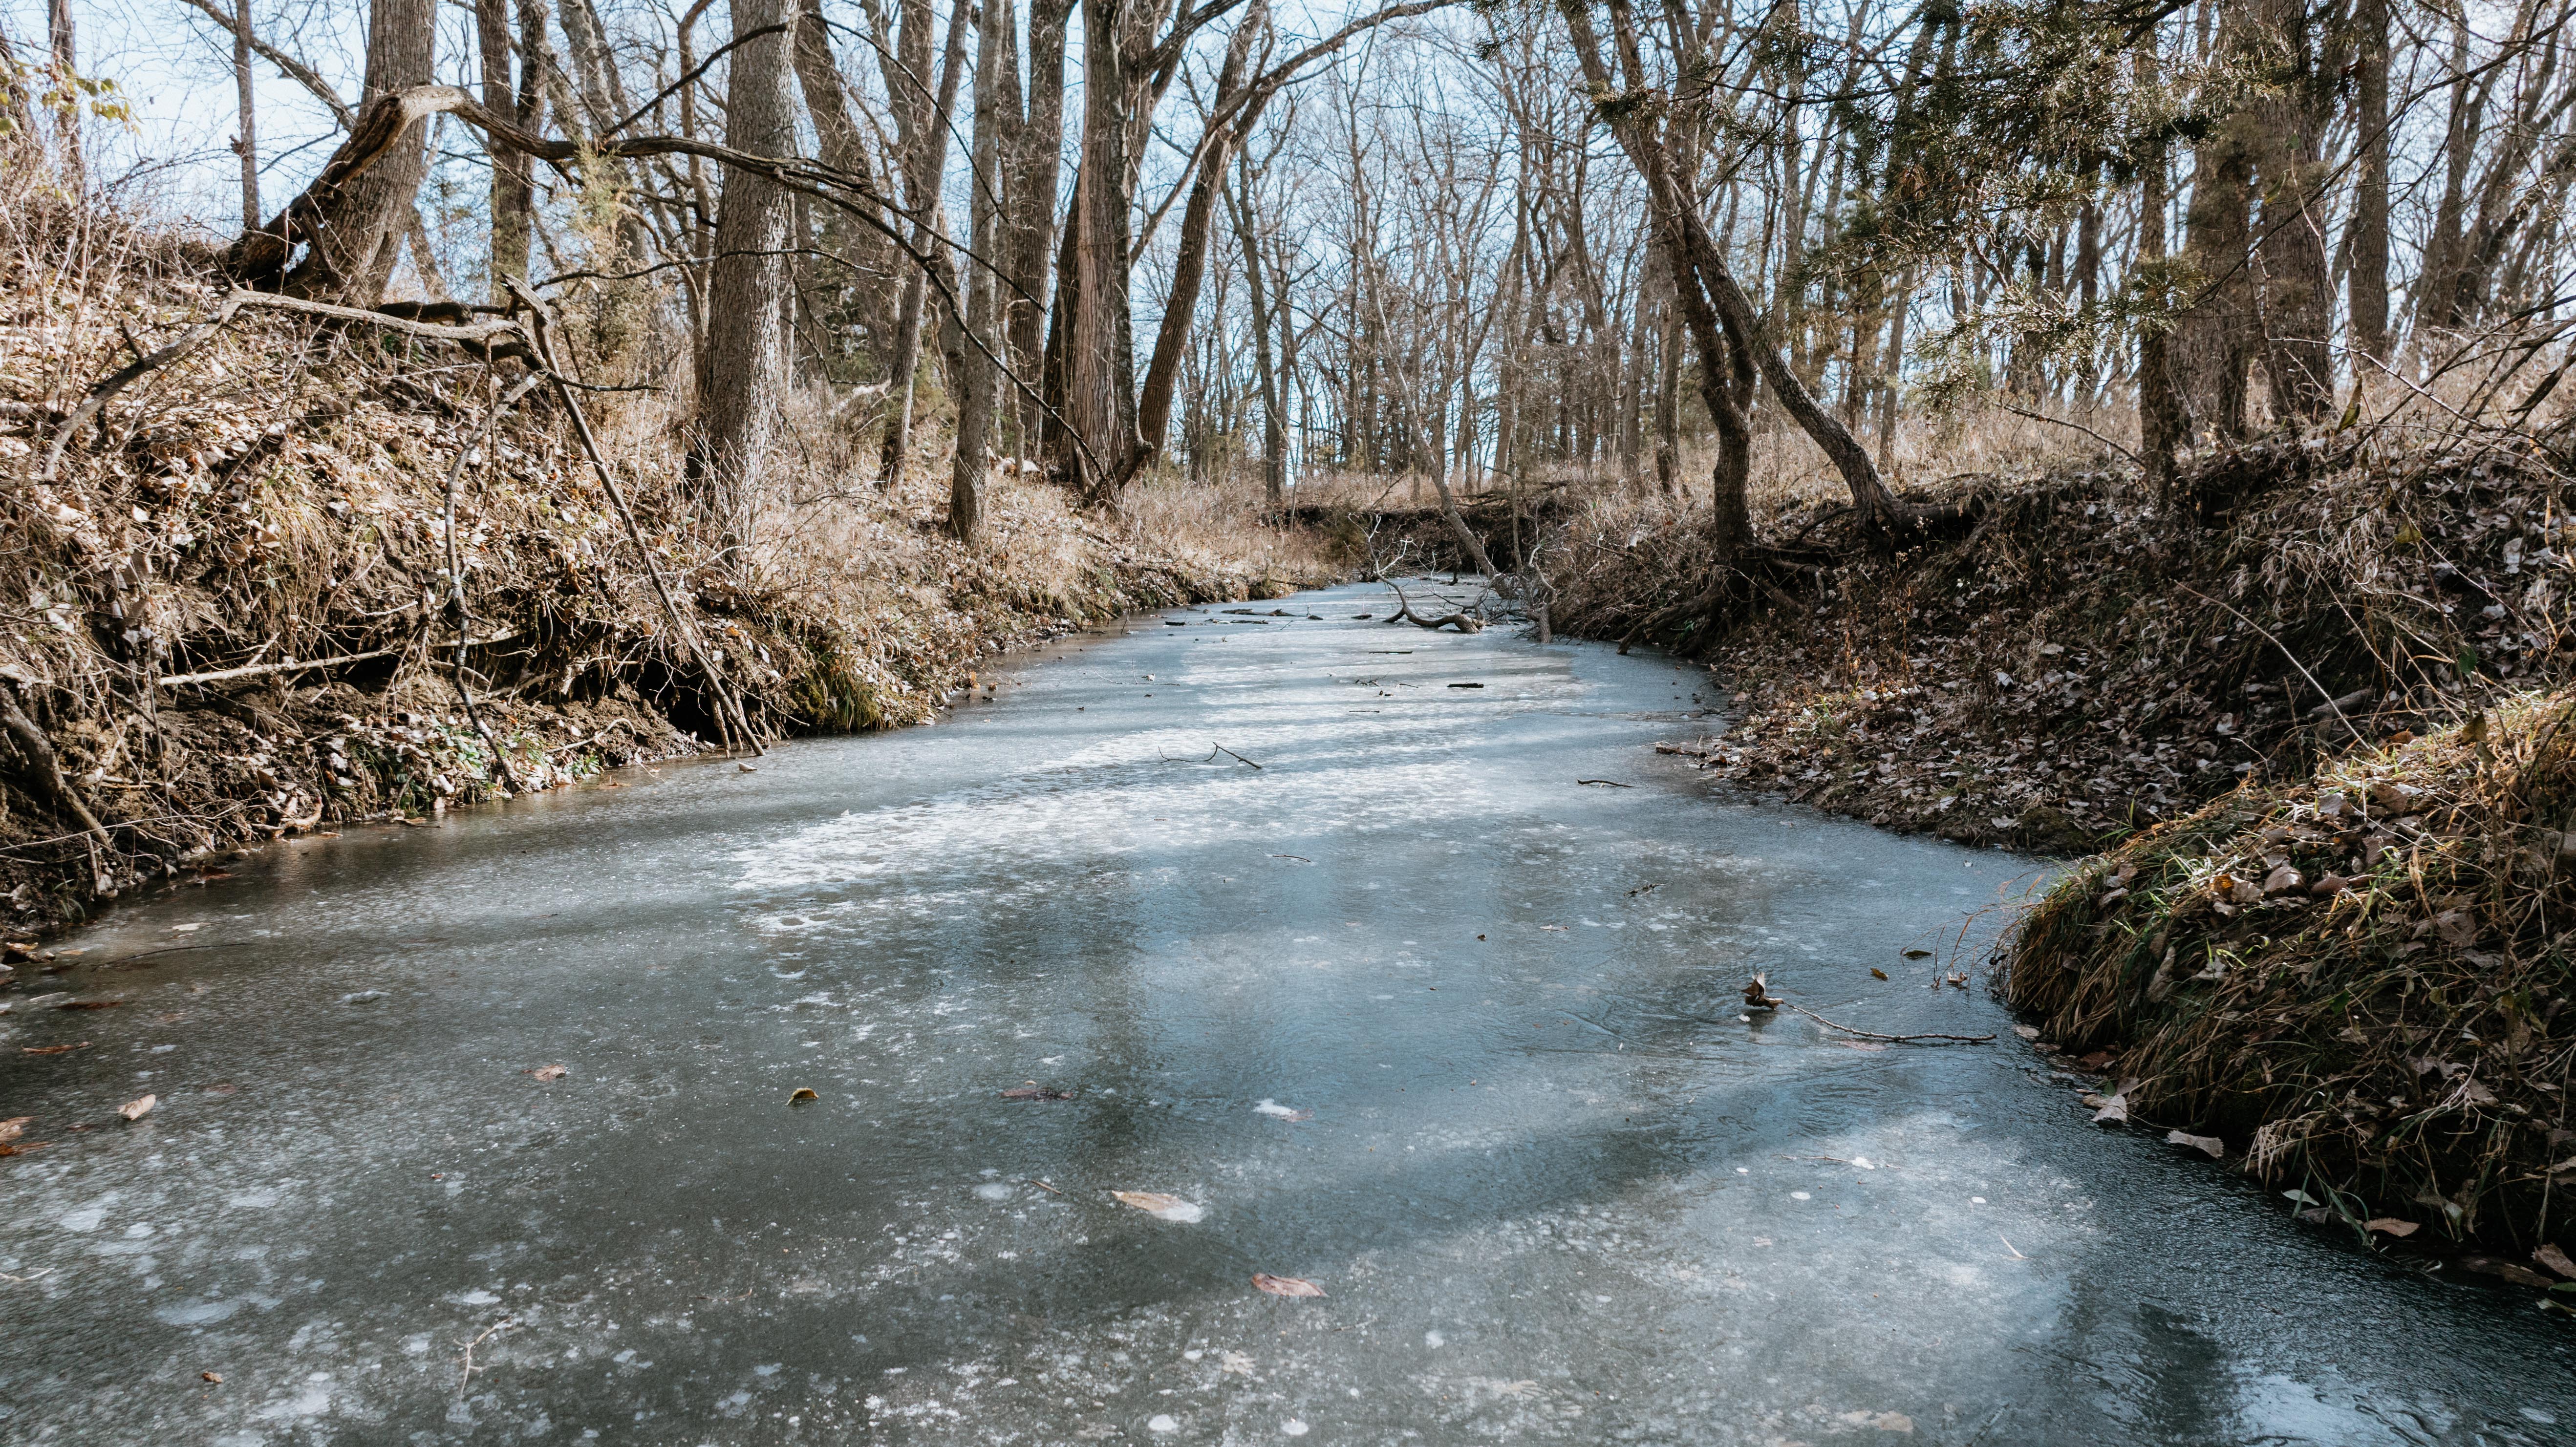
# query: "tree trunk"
{"points": [[926, 157], [2369, 280], [974, 366], [746, 341], [355, 247], [2298, 304], [2214, 338], [1031, 200], [2160, 413], [1189, 261], [512, 197], [1099, 390], [843, 147], [66, 52]]}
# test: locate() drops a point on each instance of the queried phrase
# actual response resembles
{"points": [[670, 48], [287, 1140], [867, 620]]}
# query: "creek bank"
{"points": [[229, 614], [2311, 706]]}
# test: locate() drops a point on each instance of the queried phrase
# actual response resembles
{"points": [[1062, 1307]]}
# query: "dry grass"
{"points": [[281, 495], [2360, 978]]}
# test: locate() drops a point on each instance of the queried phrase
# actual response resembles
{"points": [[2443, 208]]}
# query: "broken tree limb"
{"points": [[1404, 614], [729, 714]]}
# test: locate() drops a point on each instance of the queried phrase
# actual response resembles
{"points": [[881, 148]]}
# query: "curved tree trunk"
{"points": [[355, 245]]}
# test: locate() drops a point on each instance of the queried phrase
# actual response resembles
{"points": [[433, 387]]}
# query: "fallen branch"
{"points": [[257, 670], [1222, 749], [40, 761], [1404, 614], [1892, 1039]]}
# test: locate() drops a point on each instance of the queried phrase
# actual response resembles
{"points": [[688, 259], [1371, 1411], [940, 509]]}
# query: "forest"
{"points": [[2031, 530]]}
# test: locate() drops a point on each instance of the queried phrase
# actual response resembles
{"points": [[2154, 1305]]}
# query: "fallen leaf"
{"points": [[14, 1127], [2456, 927], [2094, 1061], [138, 1108], [2114, 1111], [2514, 1272], [1876, 973], [546, 1072], [2209, 1145], [1160, 1206], [2391, 1226], [1285, 1285], [1918, 954], [803, 1093], [215, 1377], [51, 1049], [2556, 1260], [2027, 1032], [89, 1004]]}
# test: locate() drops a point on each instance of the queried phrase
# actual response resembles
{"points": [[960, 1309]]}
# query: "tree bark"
{"points": [[512, 198], [355, 247], [2368, 304], [2214, 338], [64, 44], [746, 337], [2298, 304], [926, 157], [246, 138], [969, 469]]}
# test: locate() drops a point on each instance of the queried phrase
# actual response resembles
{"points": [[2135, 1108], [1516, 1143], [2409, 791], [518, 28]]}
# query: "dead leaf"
{"points": [[2209, 1145], [138, 1108], [2391, 1226], [2456, 927], [51, 1049], [89, 1004], [2094, 1061], [2027, 1032], [546, 1072], [803, 1093], [1876, 973], [2514, 1272], [2114, 1110], [2556, 1260], [2282, 880], [1160, 1206], [1285, 1285], [1918, 954], [14, 1127], [215, 1377]]}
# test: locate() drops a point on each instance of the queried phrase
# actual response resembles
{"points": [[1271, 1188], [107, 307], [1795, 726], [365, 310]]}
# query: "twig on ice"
{"points": [[503, 1324], [1874, 1035]]}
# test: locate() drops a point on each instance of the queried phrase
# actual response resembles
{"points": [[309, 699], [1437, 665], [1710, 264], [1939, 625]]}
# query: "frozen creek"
{"points": [[1406, 1011]]}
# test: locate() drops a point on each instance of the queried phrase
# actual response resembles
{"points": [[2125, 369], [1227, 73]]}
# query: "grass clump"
{"points": [[2359, 979]]}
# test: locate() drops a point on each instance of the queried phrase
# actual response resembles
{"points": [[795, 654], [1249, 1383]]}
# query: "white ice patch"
{"points": [[1161, 1422], [84, 1219], [994, 1191], [1272, 1107]]}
